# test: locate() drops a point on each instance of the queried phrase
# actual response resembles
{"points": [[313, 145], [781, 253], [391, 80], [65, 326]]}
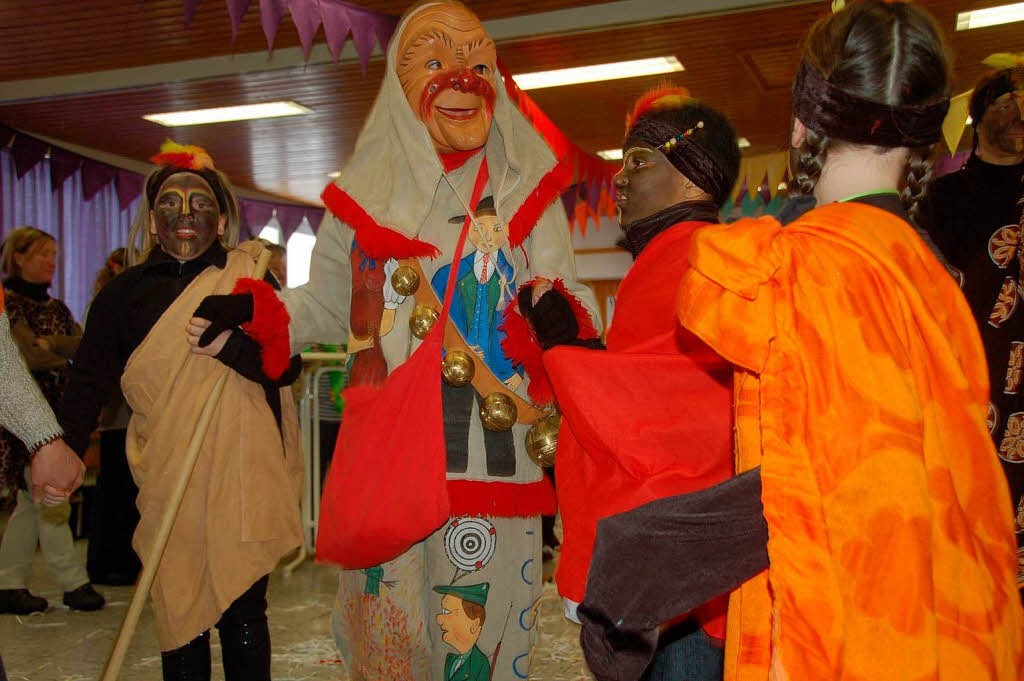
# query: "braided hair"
{"points": [[889, 52]]}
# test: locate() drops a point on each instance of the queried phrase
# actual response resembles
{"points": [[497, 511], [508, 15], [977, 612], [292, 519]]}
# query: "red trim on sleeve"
{"points": [[269, 326], [375, 240], [547, 190], [522, 347]]}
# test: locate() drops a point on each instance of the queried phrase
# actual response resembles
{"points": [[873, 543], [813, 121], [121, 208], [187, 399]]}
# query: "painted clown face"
{"points": [[1003, 124], [186, 217], [446, 65]]}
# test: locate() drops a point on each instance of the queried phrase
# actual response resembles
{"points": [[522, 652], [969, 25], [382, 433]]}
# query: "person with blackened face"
{"points": [[680, 161], [975, 216], [230, 532]]}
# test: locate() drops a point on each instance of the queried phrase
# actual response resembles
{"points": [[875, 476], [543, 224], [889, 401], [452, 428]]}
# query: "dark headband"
{"points": [[688, 157], [828, 110]]}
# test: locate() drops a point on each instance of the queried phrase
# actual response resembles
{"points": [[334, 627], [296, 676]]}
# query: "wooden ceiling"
{"points": [[741, 62]]}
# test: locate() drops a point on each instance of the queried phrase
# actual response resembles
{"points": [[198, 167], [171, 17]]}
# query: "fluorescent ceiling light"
{"points": [[969, 121], [743, 143], [611, 154], [990, 16], [223, 114], [334, 175], [590, 74]]}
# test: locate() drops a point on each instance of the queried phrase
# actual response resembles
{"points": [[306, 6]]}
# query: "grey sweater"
{"points": [[23, 410]]}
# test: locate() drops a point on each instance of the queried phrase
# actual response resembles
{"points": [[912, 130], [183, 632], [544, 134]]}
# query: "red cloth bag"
{"points": [[387, 486]]}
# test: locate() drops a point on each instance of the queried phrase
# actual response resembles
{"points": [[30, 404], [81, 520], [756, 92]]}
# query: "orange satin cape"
{"points": [[861, 391]]}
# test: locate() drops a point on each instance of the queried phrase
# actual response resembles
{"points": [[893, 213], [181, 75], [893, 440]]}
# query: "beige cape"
{"points": [[240, 513]]}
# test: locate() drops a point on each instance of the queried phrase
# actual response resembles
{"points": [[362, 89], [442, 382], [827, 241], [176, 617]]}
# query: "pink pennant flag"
{"points": [[336, 22], [190, 11], [271, 13], [236, 10], [306, 15], [363, 34]]}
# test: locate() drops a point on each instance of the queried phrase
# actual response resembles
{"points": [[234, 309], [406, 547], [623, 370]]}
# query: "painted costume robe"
{"points": [[239, 516], [648, 418], [393, 201], [861, 391]]}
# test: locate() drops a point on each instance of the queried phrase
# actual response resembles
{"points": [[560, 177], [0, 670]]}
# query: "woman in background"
{"points": [[47, 335]]}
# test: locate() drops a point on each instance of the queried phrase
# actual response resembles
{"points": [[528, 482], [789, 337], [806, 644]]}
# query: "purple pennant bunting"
{"points": [[290, 218], [271, 13], [306, 16], [190, 11], [63, 164], [28, 152], [384, 27], [336, 22], [593, 194], [255, 215], [236, 10], [129, 187], [95, 176], [364, 34], [569, 201], [315, 217]]}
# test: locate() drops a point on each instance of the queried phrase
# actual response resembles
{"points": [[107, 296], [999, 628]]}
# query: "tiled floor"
{"points": [[62, 645]]}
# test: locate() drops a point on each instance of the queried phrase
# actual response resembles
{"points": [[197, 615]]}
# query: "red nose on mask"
{"points": [[460, 80]]}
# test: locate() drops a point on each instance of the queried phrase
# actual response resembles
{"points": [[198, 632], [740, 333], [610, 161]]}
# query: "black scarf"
{"points": [[639, 234], [32, 291]]}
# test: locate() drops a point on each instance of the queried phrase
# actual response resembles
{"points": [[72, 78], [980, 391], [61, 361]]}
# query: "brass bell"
{"points": [[498, 412], [457, 368], [405, 281], [542, 440], [422, 320]]}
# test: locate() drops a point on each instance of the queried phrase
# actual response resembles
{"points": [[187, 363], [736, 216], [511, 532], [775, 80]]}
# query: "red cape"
{"points": [[649, 418]]}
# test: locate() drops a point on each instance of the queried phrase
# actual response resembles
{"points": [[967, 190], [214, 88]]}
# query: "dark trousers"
{"points": [[111, 558], [458, 405], [686, 653], [244, 641]]}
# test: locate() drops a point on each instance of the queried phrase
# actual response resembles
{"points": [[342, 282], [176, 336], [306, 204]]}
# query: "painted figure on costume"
{"points": [[441, 113], [461, 620]]}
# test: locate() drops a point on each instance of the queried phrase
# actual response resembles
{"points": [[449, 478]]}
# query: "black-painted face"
{"points": [[646, 184], [186, 218], [1003, 124]]}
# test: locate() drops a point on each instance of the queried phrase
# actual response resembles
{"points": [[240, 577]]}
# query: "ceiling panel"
{"points": [[43, 38], [748, 79]]}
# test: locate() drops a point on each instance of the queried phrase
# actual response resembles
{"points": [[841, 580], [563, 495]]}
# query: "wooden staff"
{"points": [[152, 561]]}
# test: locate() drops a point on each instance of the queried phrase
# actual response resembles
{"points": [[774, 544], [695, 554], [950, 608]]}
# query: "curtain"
{"points": [[86, 231]]}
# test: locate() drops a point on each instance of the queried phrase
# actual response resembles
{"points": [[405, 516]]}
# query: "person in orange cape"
{"points": [[861, 390], [680, 161], [240, 512]]}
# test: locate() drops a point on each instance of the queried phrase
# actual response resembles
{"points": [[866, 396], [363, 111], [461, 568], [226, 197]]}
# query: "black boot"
{"points": [[245, 636], [191, 662]]}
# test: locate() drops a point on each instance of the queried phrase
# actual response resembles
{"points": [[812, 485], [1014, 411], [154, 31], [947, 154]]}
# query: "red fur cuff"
{"points": [[522, 347], [502, 499], [374, 240], [269, 326]]}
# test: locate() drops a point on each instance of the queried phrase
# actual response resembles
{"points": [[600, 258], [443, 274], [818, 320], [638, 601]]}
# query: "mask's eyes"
{"points": [[434, 64], [498, 228], [482, 69]]}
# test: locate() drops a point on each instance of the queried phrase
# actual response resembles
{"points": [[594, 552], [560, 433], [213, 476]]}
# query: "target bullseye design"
{"points": [[470, 543]]}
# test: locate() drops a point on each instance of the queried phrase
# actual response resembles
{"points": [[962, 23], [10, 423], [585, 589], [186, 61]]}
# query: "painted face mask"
{"points": [[186, 217], [1004, 122], [446, 65]]}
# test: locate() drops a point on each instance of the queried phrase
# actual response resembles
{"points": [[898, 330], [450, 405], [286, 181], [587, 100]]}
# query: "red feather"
{"points": [[649, 102], [375, 240]]}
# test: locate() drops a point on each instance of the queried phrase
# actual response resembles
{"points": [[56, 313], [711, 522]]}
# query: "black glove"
{"points": [[225, 312], [551, 318]]}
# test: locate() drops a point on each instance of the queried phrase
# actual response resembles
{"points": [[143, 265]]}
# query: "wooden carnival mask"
{"points": [[446, 65]]}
